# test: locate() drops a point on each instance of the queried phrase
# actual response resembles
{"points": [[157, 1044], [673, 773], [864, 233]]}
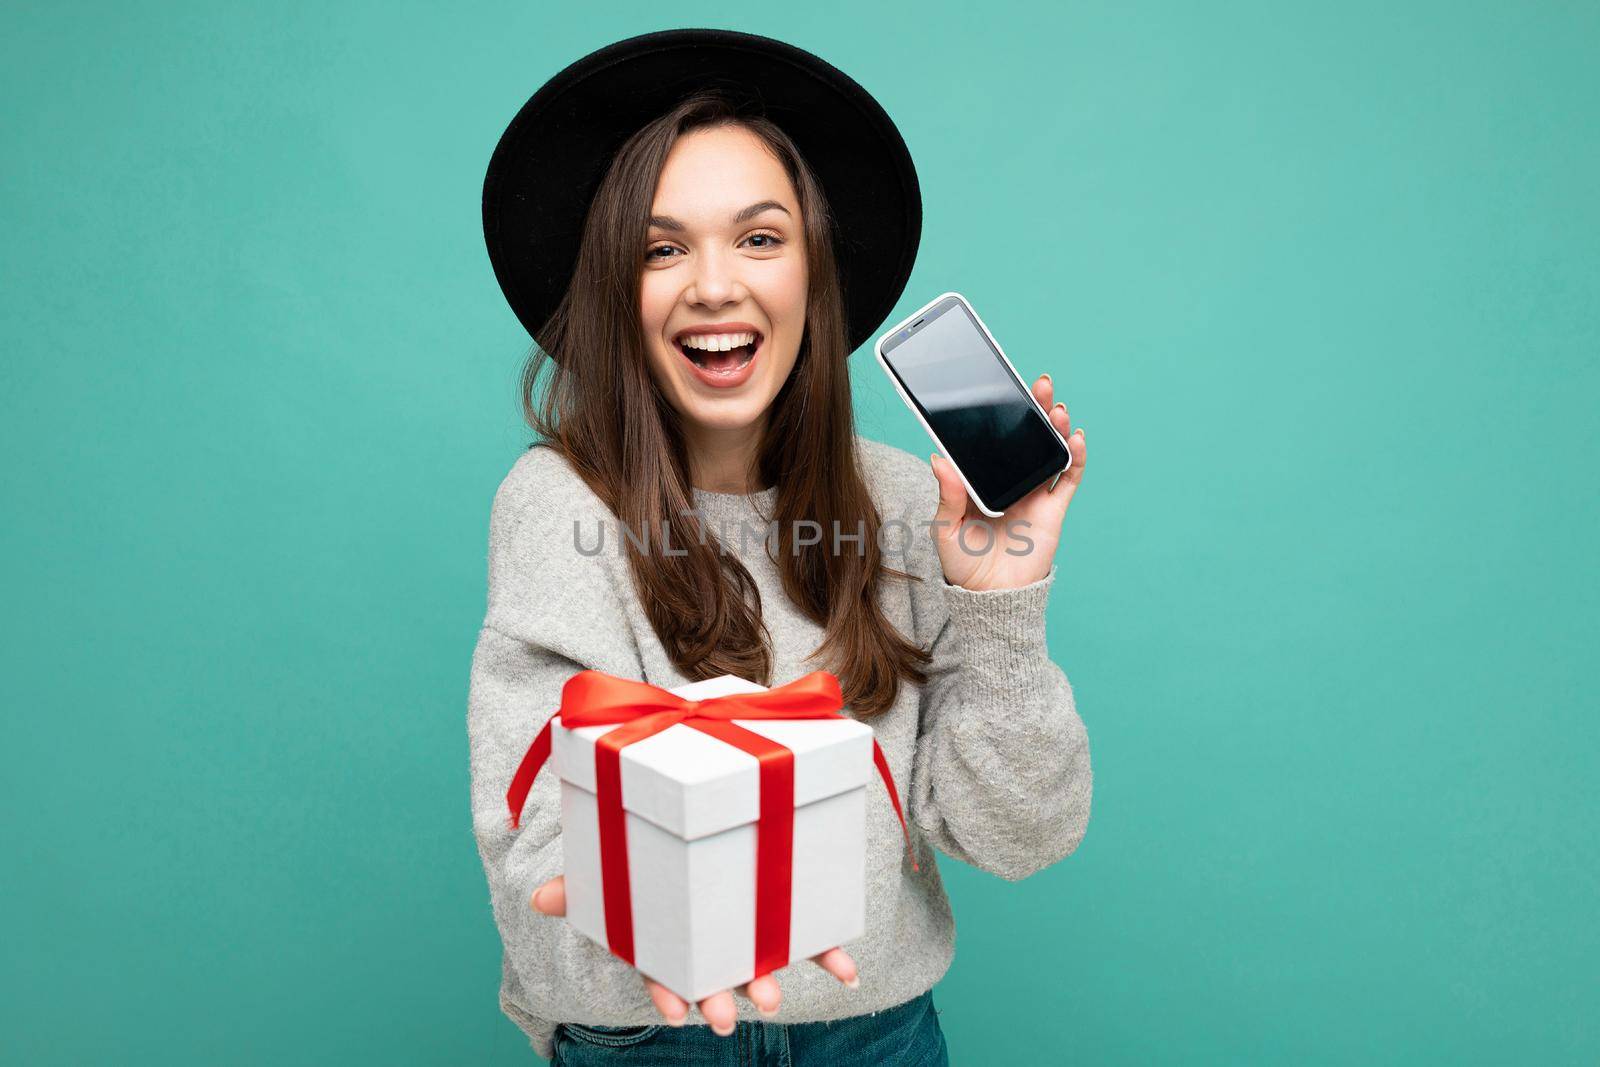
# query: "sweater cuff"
{"points": [[1000, 632]]}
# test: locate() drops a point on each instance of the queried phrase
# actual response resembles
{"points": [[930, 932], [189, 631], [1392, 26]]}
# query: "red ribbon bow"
{"points": [[594, 698]]}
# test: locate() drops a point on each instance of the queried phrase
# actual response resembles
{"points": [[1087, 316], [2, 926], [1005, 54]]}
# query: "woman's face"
{"points": [[724, 263]]}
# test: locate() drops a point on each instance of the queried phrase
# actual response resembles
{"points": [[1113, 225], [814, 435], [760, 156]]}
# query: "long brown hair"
{"points": [[603, 411]]}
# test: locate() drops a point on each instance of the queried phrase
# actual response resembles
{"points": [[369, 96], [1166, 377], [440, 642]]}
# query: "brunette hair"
{"points": [[602, 410]]}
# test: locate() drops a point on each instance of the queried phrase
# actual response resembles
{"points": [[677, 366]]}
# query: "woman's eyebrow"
{"points": [[667, 222]]}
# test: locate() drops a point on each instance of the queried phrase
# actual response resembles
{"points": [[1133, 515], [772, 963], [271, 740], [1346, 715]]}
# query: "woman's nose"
{"points": [[716, 280]]}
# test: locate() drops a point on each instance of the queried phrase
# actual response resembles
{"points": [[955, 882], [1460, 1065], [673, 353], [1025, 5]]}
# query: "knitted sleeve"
{"points": [[1001, 778], [551, 613]]}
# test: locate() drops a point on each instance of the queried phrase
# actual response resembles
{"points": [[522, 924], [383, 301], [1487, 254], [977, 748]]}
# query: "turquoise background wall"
{"points": [[1319, 280]]}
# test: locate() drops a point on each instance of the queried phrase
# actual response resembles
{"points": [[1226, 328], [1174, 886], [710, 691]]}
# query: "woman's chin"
{"points": [[723, 421], [733, 411]]}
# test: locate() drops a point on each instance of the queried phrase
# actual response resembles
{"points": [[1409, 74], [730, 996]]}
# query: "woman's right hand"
{"points": [[718, 1009]]}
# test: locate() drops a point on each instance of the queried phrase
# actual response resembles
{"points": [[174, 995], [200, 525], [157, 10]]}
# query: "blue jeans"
{"points": [[906, 1035]]}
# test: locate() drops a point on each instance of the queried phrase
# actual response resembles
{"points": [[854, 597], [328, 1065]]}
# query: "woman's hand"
{"points": [[718, 1008], [973, 547]]}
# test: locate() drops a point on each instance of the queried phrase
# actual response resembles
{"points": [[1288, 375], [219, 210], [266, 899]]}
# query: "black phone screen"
{"points": [[975, 406]]}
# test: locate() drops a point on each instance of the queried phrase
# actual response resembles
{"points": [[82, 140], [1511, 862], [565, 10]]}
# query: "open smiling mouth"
{"points": [[714, 360]]}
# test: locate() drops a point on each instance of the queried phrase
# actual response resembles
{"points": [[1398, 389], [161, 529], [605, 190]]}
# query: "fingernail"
{"points": [[853, 982], [1080, 433], [1047, 378], [767, 1012], [1060, 406], [721, 1032], [536, 901], [676, 1020]]}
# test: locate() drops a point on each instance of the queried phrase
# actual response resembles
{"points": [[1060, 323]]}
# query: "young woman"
{"points": [[690, 383]]}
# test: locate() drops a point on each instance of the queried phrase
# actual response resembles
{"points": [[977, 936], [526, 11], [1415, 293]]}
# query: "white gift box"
{"points": [[691, 804]]}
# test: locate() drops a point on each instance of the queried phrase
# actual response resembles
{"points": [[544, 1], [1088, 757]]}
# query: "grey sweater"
{"points": [[990, 756]]}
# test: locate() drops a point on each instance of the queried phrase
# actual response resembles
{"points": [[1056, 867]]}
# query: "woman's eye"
{"points": [[651, 254], [772, 239]]}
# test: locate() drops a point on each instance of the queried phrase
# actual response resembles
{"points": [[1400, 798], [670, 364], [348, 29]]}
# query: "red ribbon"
{"points": [[594, 698]]}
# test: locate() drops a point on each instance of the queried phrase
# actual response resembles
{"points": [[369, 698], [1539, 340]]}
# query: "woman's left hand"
{"points": [[973, 548]]}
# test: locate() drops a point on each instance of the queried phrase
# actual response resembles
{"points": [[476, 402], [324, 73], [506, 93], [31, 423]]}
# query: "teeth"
{"points": [[718, 342]]}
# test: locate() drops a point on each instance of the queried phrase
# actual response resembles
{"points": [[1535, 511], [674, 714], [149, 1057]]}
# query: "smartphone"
{"points": [[951, 373]]}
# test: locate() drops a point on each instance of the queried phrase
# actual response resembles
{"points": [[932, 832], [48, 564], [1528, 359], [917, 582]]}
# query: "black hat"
{"points": [[550, 160]]}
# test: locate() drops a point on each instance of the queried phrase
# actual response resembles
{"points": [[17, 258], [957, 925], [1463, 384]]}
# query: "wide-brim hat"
{"points": [[550, 160]]}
